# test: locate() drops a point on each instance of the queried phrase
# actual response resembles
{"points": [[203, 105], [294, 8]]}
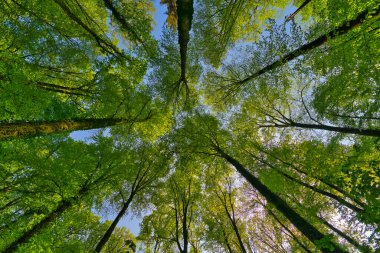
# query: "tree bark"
{"points": [[37, 128], [241, 244], [344, 28], [307, 229], [63, 206], [185, 231], [110, 230], [185, 11]]}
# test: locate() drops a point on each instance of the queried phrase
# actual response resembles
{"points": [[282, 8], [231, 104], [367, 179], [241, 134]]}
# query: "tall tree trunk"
{"points": [[51, 217], [307, 229], [349, 239], [37, 128], [112, 227], [298, 10], [344, 28], [63, 206], [185, 10]]}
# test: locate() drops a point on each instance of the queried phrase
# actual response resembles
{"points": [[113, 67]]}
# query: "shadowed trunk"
{"points": [[347, 130], [232, 219], [307, 229], [63, 206], [236, 230], [185, 11], [344, 28], [185, 231], [110, 230], [37, 128]]}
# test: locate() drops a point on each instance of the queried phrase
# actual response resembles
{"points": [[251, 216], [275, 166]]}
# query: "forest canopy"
{"points": [[244, 126]]}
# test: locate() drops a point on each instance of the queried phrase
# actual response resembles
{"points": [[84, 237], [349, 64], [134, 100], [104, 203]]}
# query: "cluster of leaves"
{"points": [[269, 141]]}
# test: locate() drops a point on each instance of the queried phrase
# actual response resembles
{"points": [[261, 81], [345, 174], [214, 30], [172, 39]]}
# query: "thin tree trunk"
{"points": [[298, 10], [10, 203], [110, 230], [307, 229], [234, 226], [37, 128], [62, 89], [185, 232], [290, 232], [226, 241], [344, 28], [241, 244], [67, 92], [124, 23], [349, 239], [105, 45]]}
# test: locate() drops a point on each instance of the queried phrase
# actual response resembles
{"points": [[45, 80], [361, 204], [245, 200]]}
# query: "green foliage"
{"points": [[285, 121]]}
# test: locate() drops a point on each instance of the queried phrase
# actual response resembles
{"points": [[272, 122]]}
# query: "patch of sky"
{"points": [[159, 19]]}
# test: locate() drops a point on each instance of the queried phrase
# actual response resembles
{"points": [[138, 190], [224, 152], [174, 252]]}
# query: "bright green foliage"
{"points": [[294, 104]]}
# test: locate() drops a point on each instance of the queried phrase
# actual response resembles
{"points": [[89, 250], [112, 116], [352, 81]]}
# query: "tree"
{"points": [[56, 195], [236, 130], [147, 169], [175, 212], [206, 140]]}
